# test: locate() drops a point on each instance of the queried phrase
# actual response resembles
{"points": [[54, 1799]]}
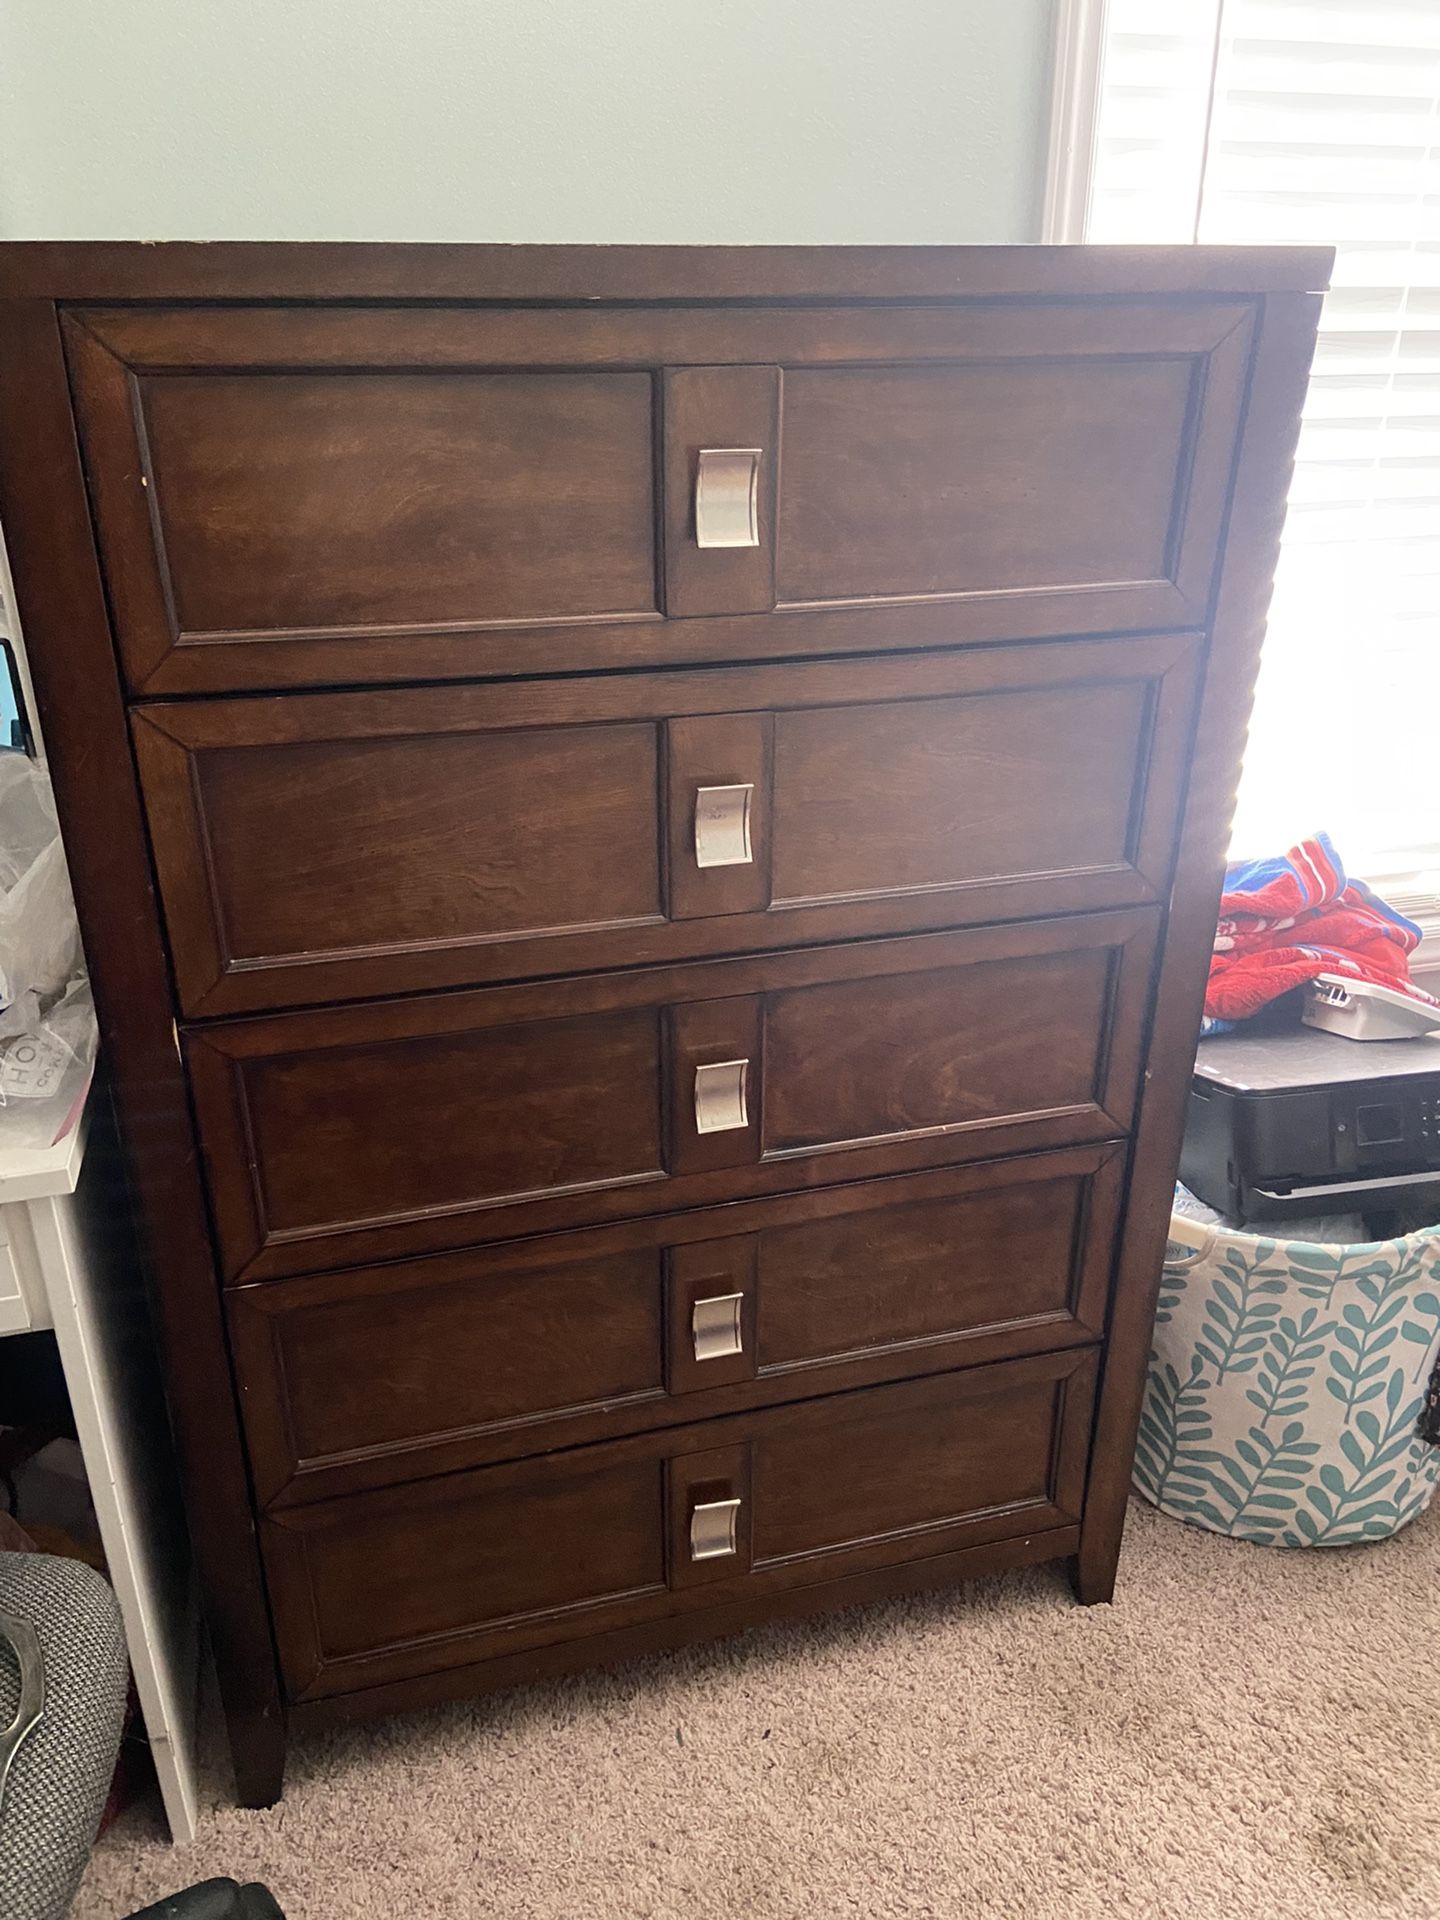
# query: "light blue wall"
{"points": [[600, 120]]}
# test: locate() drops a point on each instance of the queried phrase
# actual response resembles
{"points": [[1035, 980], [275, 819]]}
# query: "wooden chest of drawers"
{"points": [[647, 824]]}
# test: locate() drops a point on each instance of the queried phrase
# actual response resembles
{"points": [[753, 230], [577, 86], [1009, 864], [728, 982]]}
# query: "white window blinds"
{"points": [[1319, 121]]}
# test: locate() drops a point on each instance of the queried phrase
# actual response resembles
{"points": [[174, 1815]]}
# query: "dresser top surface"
{"points": [[250, 270]]}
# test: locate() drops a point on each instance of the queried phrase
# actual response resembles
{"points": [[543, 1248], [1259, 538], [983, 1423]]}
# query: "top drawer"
{"points": [[293, 496]]}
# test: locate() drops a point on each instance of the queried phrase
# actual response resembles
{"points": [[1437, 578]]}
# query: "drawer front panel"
{"points": [[298, 500], [415, 1579], [994, 478], [321, 501], [1032, 1254], [948, 793], [559, 1544], [361, 1378], [289, 498], [904, 1466], [862, 1060], [347, 845], [545, 1106], [406, 1127]]}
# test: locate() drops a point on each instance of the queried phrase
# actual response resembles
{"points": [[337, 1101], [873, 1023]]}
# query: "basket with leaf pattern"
{"points": [[1286, 1401]]}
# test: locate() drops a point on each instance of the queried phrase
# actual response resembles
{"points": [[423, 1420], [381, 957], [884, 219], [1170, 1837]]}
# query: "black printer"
{"points": [[1284, 1124]]}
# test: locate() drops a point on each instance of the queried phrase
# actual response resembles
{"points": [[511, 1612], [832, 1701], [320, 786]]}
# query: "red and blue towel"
{"points": [[1283, 921]]}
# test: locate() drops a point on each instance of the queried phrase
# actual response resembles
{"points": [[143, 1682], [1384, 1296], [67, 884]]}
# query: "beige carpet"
{"points": [[1246, 1735]]}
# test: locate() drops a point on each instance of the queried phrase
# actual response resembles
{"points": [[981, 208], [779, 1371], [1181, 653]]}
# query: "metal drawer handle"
{"points": [[715, 1326], [722, 826], [727, 497], [720, 1102], [713, 1529]]}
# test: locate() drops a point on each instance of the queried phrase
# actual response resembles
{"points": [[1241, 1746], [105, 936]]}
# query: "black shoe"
{"points": [[215, 1900]]}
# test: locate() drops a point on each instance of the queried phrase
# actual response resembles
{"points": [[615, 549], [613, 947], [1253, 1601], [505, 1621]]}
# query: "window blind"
{"points": [[1318, 121]]}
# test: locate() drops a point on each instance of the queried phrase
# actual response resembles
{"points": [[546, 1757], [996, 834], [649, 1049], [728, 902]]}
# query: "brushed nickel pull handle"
{"points": [[714, 1529], [720, 1096], [722, 826], [727, 497], [715, 1329]]}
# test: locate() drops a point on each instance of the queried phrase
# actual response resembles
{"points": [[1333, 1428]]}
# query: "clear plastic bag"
{"points": [[39, 940], [47, 1017]]}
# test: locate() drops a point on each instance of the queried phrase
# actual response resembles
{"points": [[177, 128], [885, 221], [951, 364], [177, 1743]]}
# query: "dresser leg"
{"points": [[1092, 1571], [257, 1751]]}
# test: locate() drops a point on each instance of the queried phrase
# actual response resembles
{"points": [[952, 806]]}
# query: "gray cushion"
{"points": [[61, 1774]]}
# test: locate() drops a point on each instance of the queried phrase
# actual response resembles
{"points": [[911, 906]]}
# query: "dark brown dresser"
{"points": [[647, 824]]}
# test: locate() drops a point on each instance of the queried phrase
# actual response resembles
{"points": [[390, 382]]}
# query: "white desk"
{"points": [[67, 1261]]}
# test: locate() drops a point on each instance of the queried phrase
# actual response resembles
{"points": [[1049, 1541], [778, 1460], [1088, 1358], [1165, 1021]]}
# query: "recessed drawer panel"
{"points": [[343, 846], [355, 1379], [901, 797], [289, 497], [362, 500], [403, 1127], [536, 1108], [239, 506], [1001, 478], [408, 1580]]}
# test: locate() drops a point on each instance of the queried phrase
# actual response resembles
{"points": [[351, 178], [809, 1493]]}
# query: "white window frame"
{"points": [[1077, 70]]}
